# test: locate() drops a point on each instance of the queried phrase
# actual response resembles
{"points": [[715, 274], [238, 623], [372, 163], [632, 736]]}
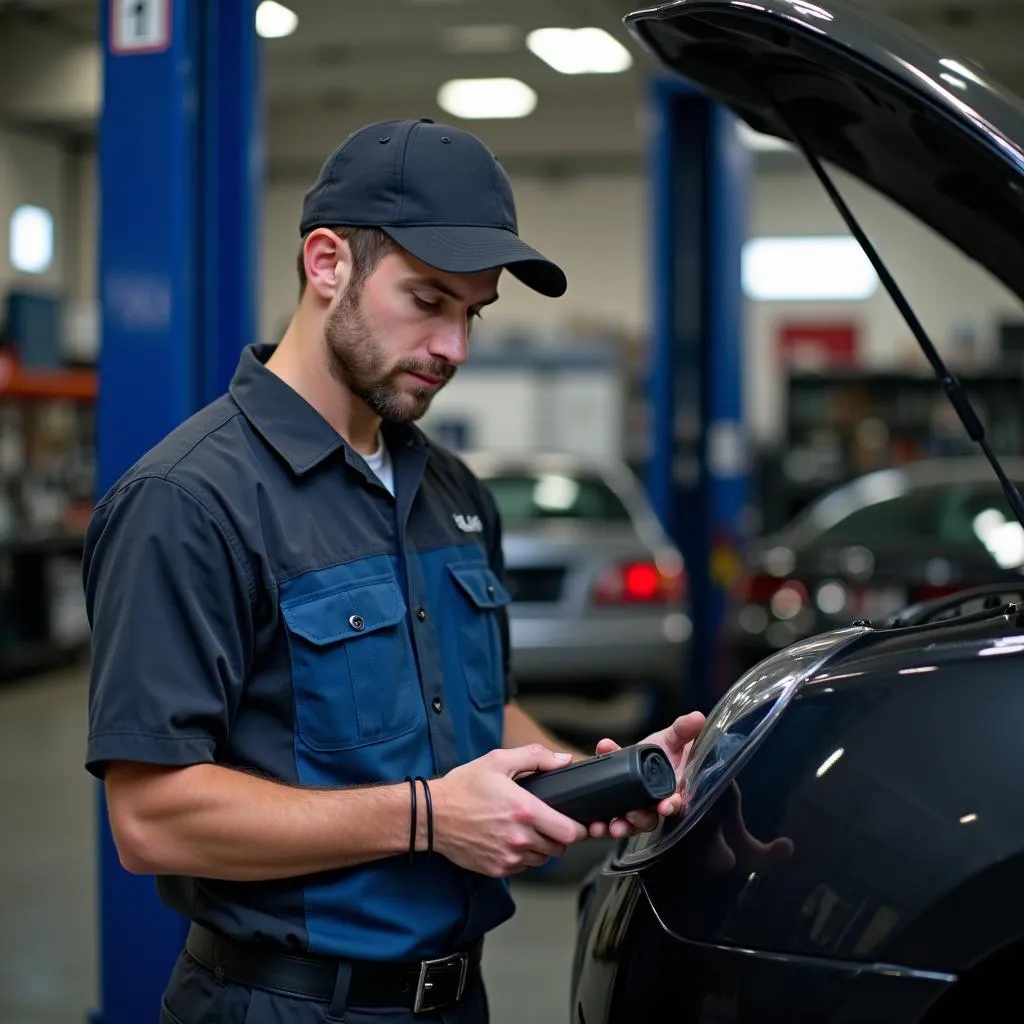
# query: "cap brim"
{"points": [[459, 249]]}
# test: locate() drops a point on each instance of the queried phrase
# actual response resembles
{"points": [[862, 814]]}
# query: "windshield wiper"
{"points": [[950, 384]]}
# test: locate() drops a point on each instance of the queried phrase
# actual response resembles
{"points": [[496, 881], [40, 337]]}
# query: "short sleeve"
{"points": [[168, 600]]}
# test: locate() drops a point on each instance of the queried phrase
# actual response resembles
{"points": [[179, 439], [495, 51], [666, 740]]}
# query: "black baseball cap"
{"points": [[438, 191]]}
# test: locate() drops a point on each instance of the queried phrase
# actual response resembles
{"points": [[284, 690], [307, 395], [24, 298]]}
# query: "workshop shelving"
{"points": [[47, 489]]}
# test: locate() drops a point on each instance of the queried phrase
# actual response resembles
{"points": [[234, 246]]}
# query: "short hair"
{"points": [[369, 246]]}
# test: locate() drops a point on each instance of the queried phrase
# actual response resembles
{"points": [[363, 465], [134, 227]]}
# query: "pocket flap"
{"points": [[481, 585], [341, 613]]}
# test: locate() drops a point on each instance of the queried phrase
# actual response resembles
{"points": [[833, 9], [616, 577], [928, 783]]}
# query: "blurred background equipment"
{"points": [[516, 394]]}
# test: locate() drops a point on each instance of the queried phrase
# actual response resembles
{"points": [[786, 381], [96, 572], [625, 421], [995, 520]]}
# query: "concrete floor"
{"points": [[48, 972]]}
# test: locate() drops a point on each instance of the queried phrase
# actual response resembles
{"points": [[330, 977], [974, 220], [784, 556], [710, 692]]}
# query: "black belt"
{"points": [[420, 985]]}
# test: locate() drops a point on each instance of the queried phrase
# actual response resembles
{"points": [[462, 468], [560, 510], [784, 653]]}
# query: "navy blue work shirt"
{"points": [[259, 600]]}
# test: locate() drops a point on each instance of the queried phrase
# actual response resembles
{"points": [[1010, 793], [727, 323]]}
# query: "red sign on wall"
{"points": [[819, 346]]}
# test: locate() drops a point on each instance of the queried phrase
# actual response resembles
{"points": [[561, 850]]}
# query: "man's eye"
{"points": [[427, 307], [475, 314]]}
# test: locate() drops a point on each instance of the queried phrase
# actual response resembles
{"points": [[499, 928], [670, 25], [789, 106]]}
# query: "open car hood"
{"points": [[928, 130]]}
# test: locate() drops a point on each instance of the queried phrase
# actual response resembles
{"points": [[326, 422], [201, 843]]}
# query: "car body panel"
{"points": [[631, 969], [900, 858], [877, 841]]}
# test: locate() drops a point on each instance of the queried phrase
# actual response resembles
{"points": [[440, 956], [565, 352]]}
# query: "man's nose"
{"points": [[451, 343]]}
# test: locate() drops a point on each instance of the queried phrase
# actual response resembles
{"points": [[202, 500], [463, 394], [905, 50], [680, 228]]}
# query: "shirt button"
{"points": [[437, 705], [490, 591], [356, 622], [421, 613]]}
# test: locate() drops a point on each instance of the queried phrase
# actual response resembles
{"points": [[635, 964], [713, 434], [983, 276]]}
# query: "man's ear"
{"points": [[328, 262]]}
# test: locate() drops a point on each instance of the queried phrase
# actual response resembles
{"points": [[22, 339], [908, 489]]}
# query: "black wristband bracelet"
{"points": [[412, 821], [430, 814]]}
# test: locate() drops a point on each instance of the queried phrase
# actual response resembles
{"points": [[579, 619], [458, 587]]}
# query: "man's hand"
{"points": [[676, 740], [485, 822]]}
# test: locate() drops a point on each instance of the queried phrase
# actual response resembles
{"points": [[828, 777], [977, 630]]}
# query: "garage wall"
{"points": [[33, 170]]}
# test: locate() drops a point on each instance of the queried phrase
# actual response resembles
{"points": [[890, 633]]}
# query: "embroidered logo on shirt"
{"points": [[468, 524]]}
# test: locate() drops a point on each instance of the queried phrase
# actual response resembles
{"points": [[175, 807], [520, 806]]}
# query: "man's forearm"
{"points": [[522, 728], [213, 822]]}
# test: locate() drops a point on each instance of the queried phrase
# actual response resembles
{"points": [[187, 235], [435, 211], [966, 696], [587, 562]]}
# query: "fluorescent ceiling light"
{"points": [[579, 51], [274, 20], [31, 241], [482, 38], [474, 98], [812, 269]]}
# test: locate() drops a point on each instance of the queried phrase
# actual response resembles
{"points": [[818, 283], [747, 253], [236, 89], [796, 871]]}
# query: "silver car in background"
{"points": [[599, 592]]}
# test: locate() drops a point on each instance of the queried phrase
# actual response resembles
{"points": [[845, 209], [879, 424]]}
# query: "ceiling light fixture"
{"points": [[579, 51], [482, 98], [274, 20]]}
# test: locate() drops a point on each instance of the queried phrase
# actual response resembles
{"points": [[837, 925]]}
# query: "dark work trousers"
{"points": [[195, 996]]}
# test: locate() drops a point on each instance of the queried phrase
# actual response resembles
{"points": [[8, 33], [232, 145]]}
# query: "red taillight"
{"points": [[640, 583]]}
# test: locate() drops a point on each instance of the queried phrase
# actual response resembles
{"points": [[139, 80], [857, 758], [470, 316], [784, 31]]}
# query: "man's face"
{"points": [[400, 338]]}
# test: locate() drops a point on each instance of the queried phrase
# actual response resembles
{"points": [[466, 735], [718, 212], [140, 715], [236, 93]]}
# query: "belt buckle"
{"points": [[437, 978]]}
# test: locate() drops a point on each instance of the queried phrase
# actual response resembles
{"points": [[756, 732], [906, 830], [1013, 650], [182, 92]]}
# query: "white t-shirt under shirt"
{"points": [[380, 463]]}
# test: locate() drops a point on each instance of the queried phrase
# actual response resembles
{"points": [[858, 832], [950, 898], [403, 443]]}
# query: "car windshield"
{"points": [[969, 517], [529, 497]]}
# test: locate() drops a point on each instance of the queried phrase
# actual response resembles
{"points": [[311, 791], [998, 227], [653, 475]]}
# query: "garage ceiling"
{"points": [[351, 61]]}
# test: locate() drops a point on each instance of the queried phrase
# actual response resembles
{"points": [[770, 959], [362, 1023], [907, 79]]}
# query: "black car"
{"points": [[869, 547], [852, 846]]}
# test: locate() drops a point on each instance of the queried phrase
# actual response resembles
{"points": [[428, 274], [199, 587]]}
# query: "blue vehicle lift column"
{"points": [[697, 471], [180, 171]]}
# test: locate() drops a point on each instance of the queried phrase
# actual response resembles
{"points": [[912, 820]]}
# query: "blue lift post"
{"points": [[696, 476], [180, 171]]}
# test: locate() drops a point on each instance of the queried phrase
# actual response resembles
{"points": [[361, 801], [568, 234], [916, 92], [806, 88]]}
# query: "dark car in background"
{"points": [[885, 540], [599, 618], [851, 847]]}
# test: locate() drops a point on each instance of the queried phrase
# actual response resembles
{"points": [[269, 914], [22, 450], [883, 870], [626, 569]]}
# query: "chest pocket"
{"points": [[478, 599], [353, 668]]}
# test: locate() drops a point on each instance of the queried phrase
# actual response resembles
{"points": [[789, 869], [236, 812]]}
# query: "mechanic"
{"points": [[300, 701]]}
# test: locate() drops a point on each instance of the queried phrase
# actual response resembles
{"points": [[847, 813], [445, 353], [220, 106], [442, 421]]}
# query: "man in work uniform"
{"points": [[300, 700]]}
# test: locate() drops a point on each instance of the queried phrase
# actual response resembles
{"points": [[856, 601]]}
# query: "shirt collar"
{"points": [[289, 424]]}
